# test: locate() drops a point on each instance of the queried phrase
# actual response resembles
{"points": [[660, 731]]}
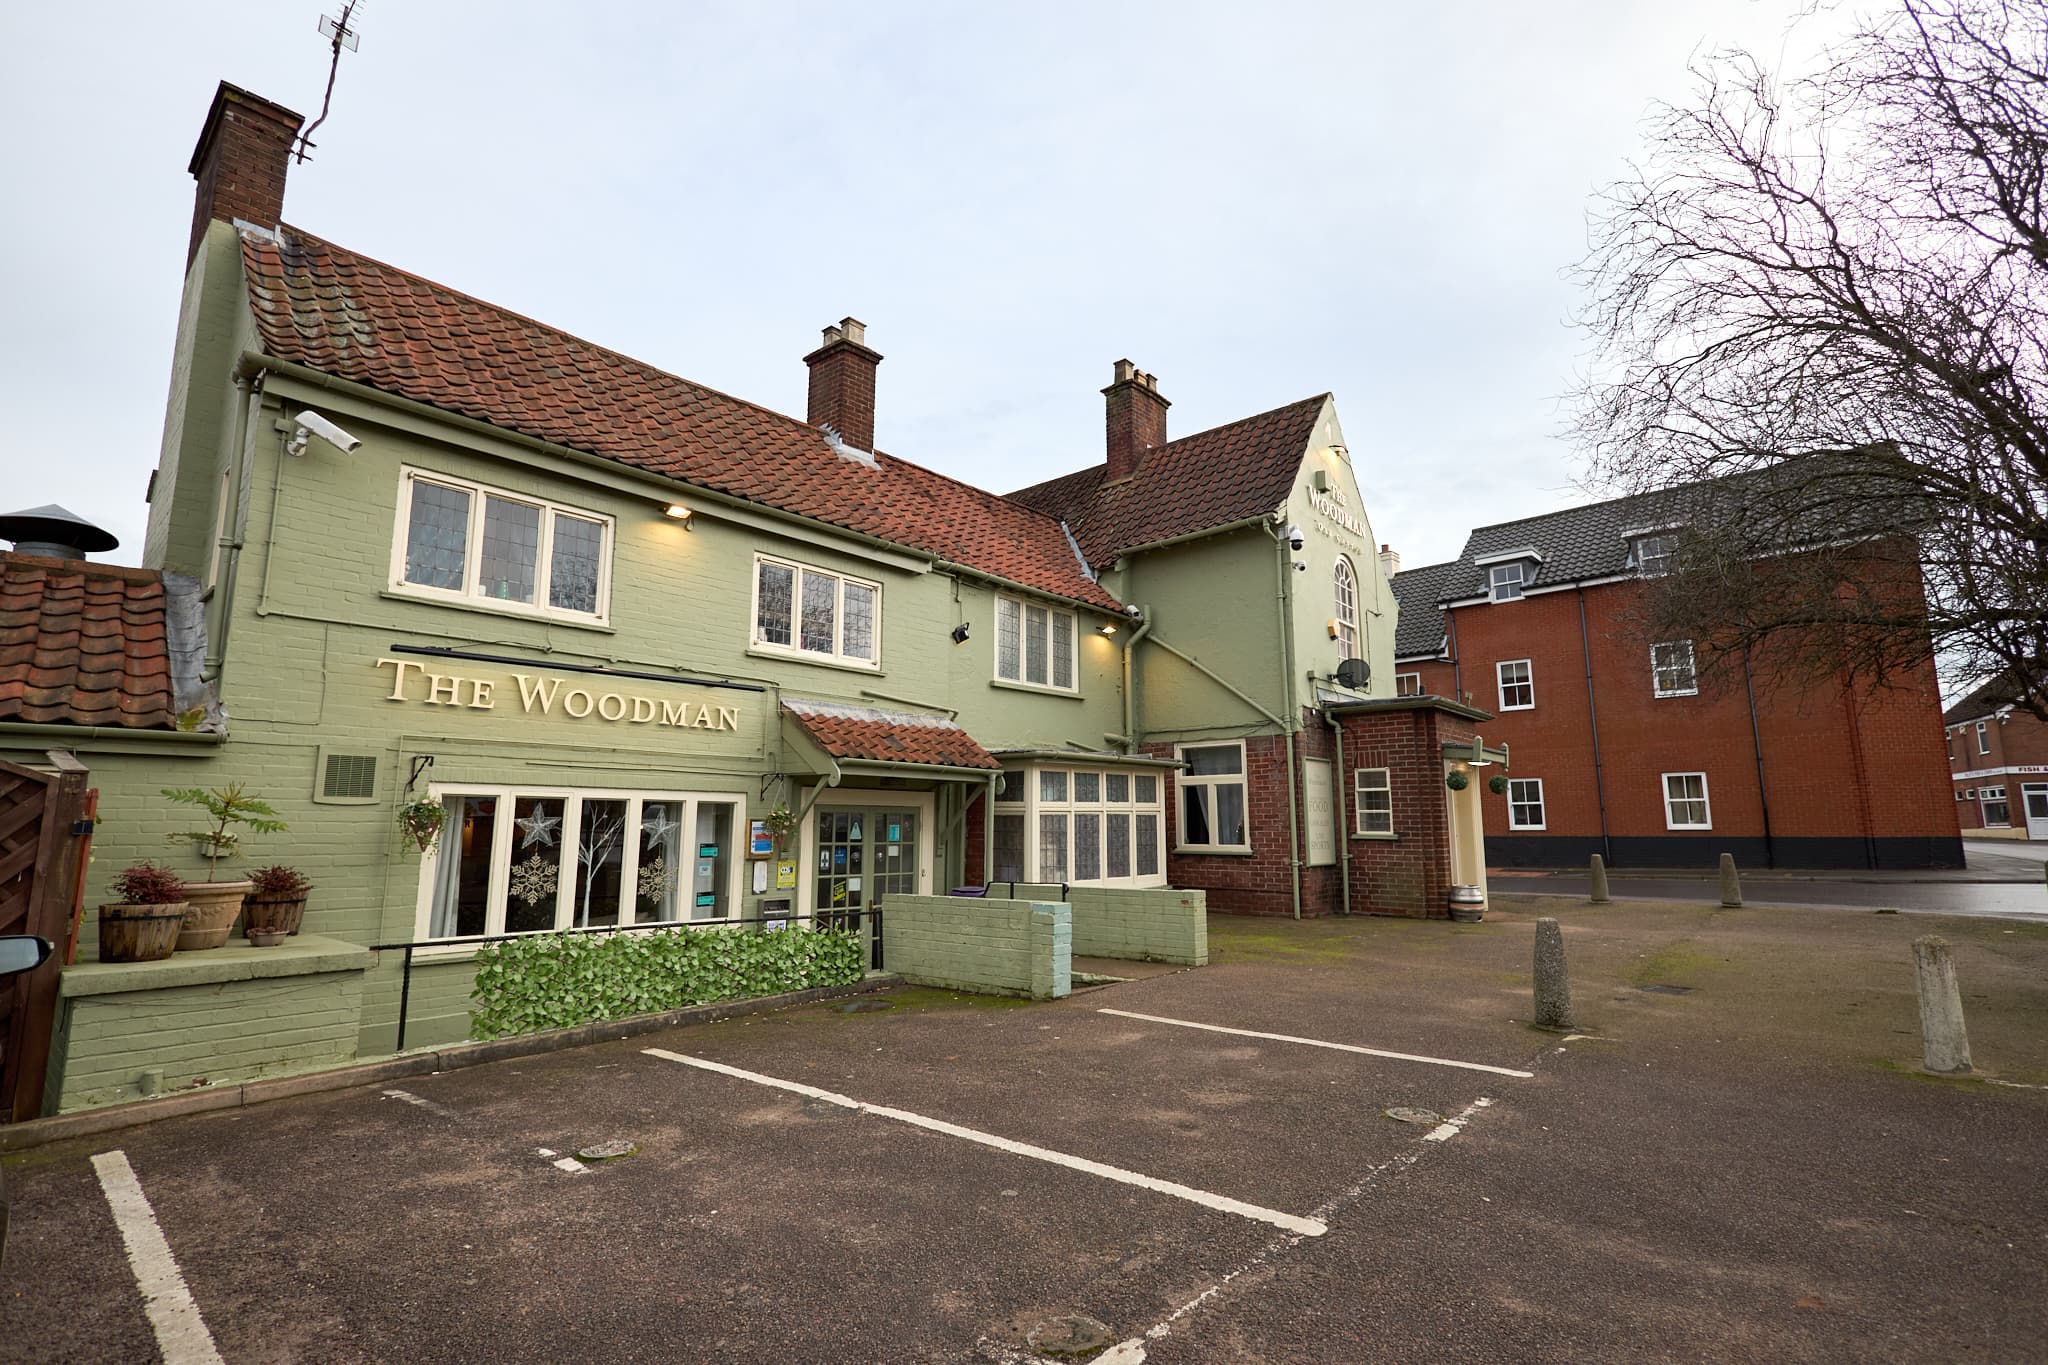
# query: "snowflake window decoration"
{"points": [[657, 880], [535, 880]]}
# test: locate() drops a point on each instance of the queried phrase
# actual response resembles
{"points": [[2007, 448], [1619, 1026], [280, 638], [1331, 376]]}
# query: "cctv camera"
{"points": [[313, 424], [1294, 536], [1135, 612], [1301, 566]]}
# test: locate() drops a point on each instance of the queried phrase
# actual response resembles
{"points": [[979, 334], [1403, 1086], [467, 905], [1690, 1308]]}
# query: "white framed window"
{"points": [[1673, 672], [1086, 827], [809, 613], [1373, 800], [1685, 801], [1035, 644], [1525, 803], [514, 860], [1505, 582], [464, 542], [1212, 797], [1345, 588], [1407, 684], [1517, 682], [1656, 554], [1996, 809], [1983, 737], [1967, 794]]}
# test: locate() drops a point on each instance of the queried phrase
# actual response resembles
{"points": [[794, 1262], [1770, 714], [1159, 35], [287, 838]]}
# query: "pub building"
{"points": [[406, 545]]}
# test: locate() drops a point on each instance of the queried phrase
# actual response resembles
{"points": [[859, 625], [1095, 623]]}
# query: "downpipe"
{"points": [[1289, 722]]}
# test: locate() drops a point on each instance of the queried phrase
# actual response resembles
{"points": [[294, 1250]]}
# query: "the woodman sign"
{"points": [[1335, 508], [546, 696]]}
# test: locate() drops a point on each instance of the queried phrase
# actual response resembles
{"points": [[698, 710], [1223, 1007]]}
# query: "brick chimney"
{"points": [[1390, 560], [240, 162], [843, 383], [1136, 419]]}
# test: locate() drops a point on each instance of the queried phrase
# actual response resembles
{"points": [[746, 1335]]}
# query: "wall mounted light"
{"points": [[960, 634], [1106, 628], [675, 511]]}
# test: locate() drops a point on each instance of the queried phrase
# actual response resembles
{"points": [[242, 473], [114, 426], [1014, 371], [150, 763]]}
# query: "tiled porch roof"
{"points": [[871, 734], [83, 644]]}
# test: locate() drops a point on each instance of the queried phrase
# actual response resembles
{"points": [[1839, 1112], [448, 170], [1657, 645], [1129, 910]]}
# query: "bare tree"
{"points": [[1829, 296]]}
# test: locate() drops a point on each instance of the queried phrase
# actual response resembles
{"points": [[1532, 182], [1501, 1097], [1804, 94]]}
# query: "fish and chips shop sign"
{"points": [[543, 695]]}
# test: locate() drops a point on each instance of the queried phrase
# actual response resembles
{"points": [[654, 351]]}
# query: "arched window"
{"points": [[1347, 610]]}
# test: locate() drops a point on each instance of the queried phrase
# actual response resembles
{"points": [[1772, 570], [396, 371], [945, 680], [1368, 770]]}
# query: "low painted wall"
{"points": [[1153, 924], [229, 1014], [991, 947]]}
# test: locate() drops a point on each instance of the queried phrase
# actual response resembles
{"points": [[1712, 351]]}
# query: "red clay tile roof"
{"points": [[319, 305], [83, 644], [865, 732], [1198, 483]]}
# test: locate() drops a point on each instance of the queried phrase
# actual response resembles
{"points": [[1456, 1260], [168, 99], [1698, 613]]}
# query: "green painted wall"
{"points": [[994, 947], [1137, 925]]}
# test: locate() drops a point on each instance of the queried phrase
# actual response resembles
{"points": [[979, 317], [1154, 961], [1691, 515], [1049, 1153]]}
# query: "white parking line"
{"points": [[1317, 1042], [180, 1332], [1306, 1227], [421, 1102]]}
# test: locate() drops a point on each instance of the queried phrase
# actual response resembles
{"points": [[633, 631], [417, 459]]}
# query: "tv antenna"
{"points": [[341, 33]]}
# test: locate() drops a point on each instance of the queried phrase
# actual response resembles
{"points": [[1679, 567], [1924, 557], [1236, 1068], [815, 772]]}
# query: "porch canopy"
{"points": [[842, 738]]}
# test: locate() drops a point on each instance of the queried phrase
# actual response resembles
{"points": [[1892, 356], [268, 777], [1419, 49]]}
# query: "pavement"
{"points": [[1741, 1164]]}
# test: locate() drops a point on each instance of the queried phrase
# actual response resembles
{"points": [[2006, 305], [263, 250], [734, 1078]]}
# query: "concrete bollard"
{"points": [[1731, 883], [1944, 1044], [1553, 982], [1596, 881]]}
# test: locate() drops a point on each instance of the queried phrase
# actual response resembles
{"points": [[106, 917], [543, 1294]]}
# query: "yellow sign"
{"points": [[785, 876], [540, 696]]}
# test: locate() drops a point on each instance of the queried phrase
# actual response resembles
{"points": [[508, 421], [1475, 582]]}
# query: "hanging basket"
{"points": [[1497, 784], [1457, 781], [420, 822]]}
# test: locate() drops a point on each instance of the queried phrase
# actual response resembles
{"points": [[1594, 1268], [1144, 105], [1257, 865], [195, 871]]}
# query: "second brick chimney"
{"points": [[843, 384], [1136, 419], [240, 162]]}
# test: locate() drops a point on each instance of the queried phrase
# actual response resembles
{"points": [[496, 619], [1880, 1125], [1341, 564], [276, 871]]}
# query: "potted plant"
{"points": [[143, 926], [420, 821], [266, 938], [276, 900], [211, 905]]}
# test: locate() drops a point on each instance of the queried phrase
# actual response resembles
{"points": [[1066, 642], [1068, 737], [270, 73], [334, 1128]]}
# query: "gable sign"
{"points": [[1332, 506]]}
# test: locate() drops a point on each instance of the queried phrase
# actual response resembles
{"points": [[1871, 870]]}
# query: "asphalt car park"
{"points": [[953, 1178]]}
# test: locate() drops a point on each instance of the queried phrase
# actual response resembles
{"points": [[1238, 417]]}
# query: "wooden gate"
{"points": [[39, 832]]}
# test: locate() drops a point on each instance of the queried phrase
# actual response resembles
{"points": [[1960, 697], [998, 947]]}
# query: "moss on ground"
{"points": [[1682, 963]]}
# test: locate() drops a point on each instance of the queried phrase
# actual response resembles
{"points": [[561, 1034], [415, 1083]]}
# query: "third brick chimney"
{"points": [[240, 162], [1136, 419], [843, 384]]}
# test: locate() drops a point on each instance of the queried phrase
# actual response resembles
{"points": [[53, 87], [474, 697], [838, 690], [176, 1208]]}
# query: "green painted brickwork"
{"points": [[992, 947], [219, 1031], [1153, 924]]}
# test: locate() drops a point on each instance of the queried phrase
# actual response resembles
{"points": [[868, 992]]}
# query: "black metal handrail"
{"points": [[856, 916]]}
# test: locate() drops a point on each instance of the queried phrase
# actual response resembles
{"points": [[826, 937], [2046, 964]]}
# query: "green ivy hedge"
{"points": [[560, 980]]}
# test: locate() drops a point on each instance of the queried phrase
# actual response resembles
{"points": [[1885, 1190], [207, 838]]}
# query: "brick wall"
{"points": [[1410, 873], [240, 163], [993, 947], [2016, 740], [1853, 777], [1154, 924], [1260, 882]]}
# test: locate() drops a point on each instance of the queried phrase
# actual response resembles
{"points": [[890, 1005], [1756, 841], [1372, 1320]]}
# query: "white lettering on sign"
{"points": [[1333, 506], [411, 682]]}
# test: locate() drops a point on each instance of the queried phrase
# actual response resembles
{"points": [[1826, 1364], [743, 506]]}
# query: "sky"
{"points": [[1254, 203]]}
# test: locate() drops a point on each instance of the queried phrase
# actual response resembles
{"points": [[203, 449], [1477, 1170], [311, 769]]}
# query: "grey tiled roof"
{"points": [[1420, 632], [1575, 544], [1985, 701]]}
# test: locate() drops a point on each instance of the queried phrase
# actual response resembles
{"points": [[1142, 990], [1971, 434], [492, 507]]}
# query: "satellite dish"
{"points": [[1354, 674]]}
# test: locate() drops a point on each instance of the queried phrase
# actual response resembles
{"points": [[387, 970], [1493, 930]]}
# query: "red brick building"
{"points": [[1998, 765], [1633, 748]]}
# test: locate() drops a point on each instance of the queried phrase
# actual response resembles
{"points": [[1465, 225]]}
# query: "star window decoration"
{"points": [[538, 828], [655, 826]]}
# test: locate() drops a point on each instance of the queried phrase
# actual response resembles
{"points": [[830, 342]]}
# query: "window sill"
{"points": [[1042, 689], [1688, 829], [1692, 693], [1388, 838], [1206, 851], [1530, 707], [1528, 829], [484, 608], [797, 656]]}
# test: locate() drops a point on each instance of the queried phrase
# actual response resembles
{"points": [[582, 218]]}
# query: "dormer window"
{"points": [[1656, 554], [1504, 582]]}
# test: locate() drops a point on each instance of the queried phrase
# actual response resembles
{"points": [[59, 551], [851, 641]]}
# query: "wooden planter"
{"points": [[139, 933], [259, 914], [210, 910]]}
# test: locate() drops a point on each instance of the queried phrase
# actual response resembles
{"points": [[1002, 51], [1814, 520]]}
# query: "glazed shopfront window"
{"points": [[1085, 827], [514, 861]]}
